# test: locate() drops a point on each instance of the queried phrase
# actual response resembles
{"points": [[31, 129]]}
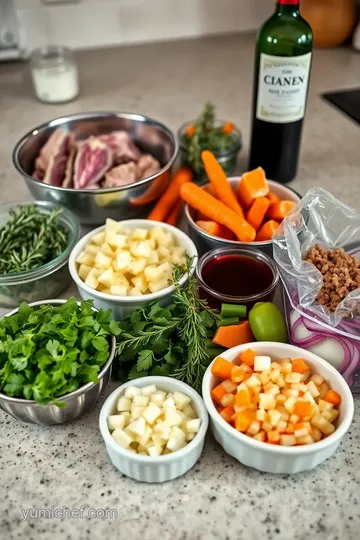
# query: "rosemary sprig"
{"points": [[30, 239]]}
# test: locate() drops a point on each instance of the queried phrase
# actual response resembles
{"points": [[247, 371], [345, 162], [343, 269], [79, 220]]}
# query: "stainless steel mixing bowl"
{"points": [[92, 207], [77, 402]]}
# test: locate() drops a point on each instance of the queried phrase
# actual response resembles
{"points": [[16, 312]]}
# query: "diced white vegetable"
{"points": [[140, 400], [118, 290], [92, 249], [148, 390], [85, 258], [181, 400], [154, 451], [132, 391], [91, 281], [169, 402], [105, 248], [123, 404], [140, 282], [123, 261], [177, 439], [141, 249], [261, 363], [117, 241], [137, 266], [266, 401], [311, 386], [99, 238], [112, 226], [172, 417], [138, 426], [189, 411], [151, 413], [158, 398], [116, 421], [145, 438], [137, 412], [163, 430], [122, 438], [193, 425], [139, 234], [107, 277], [293, 378]]}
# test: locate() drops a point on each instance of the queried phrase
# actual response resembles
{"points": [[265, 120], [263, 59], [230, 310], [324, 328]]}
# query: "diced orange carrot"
{"points": [[272, 197], [242, 398], [220, 409], [237, 374], [227, 413], [279, 209], [289, 428], [303, 408], [299, 366], [221, 367], [228, 128], [332, 397], [215, 229], [252, 185], [243, 420], [218, 393], [266, 231], [248, 357], [257, 212], [231, 336]]}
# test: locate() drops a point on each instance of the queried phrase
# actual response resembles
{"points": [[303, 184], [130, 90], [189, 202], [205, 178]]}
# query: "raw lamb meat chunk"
{"points": [[121, 175], [55, 171], [48, 149], [147, 166], [122, 145], [93, 159], [69, 171]]}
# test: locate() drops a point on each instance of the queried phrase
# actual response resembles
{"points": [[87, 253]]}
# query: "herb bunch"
{"points": [[170, 341], [30, 239], [206, 136], [49, 351]]}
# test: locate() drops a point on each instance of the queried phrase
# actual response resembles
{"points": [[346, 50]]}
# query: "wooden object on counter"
{"points": [[332, 21]]}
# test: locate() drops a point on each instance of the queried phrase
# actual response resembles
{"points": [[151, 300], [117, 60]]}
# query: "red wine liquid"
{"points": [[237, 275]]}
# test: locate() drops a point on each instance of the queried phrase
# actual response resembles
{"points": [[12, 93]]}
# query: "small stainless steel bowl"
{"points": [[204, 241], [77, 402], [92, 207]]}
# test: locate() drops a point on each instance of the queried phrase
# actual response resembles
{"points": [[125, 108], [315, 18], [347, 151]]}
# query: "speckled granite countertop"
{"points": [[67, 466]]}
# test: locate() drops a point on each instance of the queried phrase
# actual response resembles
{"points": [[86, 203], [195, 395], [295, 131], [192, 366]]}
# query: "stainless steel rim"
{"points": [[84, 116], [80, 390]]}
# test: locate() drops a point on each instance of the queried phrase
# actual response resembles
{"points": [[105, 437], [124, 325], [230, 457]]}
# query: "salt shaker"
{"points": [[54, 74]]}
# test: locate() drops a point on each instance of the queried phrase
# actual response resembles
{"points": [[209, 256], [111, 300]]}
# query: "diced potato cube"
{"points": [[281, 426], [290, 404], [301, 432], [145, 438], [274, 375], [325, 405], [83, 271], [154, 451], [280, 381], [308, 397], [261, 436], [120, 279], [167, 239], [230, 387], [262, 363], [105, 248], [254, 428], [193, 425], [148, 390], [287, 440], [323, 388], [271, 388], [102, 260], [316, 434], [227, 400], [157, 234], [266, 426], [177, 439], [139, 234], [274, 417], [137, 266], [141, 249], [286, 367], [163, 252], [140, 282], [116, 421], [260, 415], [273, 435], [153, 273], [158, 441], [163, 430], [253, 381], [122, 438], [189, 411], [169, 402], [107, 277], [154, 258], [112, 226], [264, 376], [116, 241], [293, 378], [133, 291], [137, 426], [140, 400], [91, 281], [317, 379], [137, 412], [312, 388], [158, 398], [123, 404], [190, 436], [99, 238], [267, 401], [155, 286], [294, 418], [123, 261], [181, 400], [85, 258], [331, 416], [92, 249], [177, 255], [173, 417], [119, 290], [306, 439], [151, 413], [291, 392], [132, 391]]}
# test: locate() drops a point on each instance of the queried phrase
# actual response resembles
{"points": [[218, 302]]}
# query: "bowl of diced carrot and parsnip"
{"points": [[276, 407], [229, 211]]}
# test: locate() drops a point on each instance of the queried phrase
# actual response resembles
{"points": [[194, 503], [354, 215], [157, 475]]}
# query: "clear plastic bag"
{"points": [[319, 218]]}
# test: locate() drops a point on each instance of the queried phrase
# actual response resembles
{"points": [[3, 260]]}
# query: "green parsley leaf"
{"points": [[145, 360]]}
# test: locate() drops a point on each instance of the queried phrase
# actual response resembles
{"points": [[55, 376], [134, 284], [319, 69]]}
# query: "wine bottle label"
{"points": [[282, 89]]}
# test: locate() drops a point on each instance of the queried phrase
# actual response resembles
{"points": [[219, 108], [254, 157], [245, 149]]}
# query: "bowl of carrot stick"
{"points": [[233, 211]]}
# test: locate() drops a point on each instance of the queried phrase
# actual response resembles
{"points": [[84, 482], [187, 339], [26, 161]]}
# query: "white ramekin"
{"points": [[279, 459], [161, 468], [122, 305]]}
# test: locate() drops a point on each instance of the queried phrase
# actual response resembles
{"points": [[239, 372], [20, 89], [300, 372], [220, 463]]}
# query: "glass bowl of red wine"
{"points": [[240, 275]]}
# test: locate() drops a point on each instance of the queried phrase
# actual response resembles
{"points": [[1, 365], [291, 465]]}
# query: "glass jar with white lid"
{"points": [[54, 74]]}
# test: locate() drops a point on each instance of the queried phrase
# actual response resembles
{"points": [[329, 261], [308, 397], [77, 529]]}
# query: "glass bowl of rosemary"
{"points": [[36, 240]]}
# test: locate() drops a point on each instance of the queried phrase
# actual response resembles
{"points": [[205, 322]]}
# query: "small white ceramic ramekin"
{"points": [[279, 459], [160, 468], [122, 305]]}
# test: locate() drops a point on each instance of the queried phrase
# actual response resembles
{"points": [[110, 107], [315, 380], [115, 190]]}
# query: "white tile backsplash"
{"points": [[95, 23]]}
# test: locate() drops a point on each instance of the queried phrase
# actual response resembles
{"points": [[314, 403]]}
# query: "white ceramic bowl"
{"points": [[279, 459], [122, 305], [161, 468]]}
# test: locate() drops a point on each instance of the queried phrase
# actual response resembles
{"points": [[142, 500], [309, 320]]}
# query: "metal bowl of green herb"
{"points": [[55, 359], [223, 139], [35, 244]]}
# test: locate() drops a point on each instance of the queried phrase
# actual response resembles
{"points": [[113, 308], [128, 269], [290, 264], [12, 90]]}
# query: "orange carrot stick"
{"points": [[169, 198], [266, 231], [256, 214], [278, 210], [216, 211], [213, 228], [175, 213], [252, 185], [218, 179], [231, 336]]}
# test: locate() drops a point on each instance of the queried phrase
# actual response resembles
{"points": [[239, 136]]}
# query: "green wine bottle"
{"points": [[282, 70]]}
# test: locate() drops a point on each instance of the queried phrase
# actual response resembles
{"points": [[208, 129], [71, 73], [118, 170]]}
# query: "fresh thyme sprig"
{"points": [[30, 239]]}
